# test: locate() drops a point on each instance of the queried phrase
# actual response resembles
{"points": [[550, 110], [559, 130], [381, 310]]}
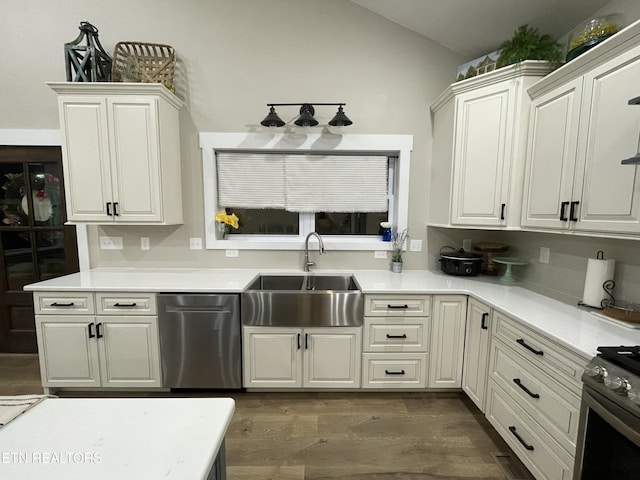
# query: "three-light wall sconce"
{"points": [[305, 119]]}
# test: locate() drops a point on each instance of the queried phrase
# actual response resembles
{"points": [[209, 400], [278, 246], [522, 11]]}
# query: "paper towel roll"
{"points": [[598, 272]]}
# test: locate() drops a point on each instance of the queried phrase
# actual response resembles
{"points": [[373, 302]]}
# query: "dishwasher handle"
{"points": [[186, 309]]}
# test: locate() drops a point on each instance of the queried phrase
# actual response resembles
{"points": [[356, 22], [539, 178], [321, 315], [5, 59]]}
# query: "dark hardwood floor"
{"points": [[328, 436]]}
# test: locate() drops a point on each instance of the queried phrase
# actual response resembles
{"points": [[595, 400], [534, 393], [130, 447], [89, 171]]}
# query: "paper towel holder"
{"points": [[607, 286]]}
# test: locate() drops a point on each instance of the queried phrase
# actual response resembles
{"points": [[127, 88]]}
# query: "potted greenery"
{"points": [[398, 240], [528, 44]]}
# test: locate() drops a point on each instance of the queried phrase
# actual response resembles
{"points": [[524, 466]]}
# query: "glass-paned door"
{"points": [[34, 242]]}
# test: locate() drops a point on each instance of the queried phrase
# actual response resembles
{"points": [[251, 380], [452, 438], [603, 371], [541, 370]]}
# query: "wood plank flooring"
{"points": [[329, 436]]}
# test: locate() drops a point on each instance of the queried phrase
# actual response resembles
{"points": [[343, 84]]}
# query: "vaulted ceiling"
{"points": [[476, 27]]}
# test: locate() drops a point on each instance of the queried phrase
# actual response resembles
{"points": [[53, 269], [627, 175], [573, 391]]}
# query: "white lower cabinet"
{"points": [[87, 351], [476, 351], [79, 349], [285, 357], [447, 341]]}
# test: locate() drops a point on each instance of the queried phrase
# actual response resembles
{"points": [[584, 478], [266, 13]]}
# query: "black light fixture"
{"points": [[306, 118]]}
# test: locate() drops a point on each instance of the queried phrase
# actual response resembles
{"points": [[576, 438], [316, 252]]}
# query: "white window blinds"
{"points": [[303, 183]]}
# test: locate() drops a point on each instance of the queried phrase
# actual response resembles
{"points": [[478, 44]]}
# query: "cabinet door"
{"points": [[476, 352], [551, 157], [332, 358], [85, 148], [483, 147], [129, 351], [447, 341], [135, 160], [610, 128], [68, 351], [272, 357]]}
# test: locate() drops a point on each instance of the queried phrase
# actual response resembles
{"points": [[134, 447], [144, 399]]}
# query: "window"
{"points": [[291, 214]]}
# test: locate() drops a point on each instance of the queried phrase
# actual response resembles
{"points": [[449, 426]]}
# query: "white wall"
{"points": [[234, 57]]}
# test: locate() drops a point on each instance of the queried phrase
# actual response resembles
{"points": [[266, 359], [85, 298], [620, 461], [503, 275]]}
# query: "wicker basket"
{"points": [[622, 314], [143, 62]]}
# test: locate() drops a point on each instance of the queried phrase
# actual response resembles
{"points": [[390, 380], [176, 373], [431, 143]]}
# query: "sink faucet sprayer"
{"points": [[307, 263]]}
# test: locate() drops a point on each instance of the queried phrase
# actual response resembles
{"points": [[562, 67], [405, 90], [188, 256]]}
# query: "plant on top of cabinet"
{"points": [[528, 44]]}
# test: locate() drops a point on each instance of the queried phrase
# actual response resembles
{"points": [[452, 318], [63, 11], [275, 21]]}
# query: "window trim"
{"points": [[399, 146]]}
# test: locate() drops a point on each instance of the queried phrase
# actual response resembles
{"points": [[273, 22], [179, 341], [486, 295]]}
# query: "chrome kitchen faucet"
{"points": [[307, 263]]}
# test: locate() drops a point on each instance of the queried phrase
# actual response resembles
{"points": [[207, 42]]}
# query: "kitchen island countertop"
{"points": [[574, 327]]}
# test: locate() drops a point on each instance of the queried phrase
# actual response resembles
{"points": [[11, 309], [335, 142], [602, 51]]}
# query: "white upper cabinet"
{"points": [[479, 134], [121, 153], [581, 128]]}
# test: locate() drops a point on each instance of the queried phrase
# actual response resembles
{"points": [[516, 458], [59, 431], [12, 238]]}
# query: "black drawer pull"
{"points": [[529, 347], [519, 383], [56, 304], [98, 334], [91, 335], [398, 306], [298, 341], [572, 211], [483, 325], [404, 335], [306, 341], [504, 205], [512, 429], [125, 304], [389, 372], [115, 209]]}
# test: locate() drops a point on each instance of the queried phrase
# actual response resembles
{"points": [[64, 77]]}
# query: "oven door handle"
{"points": [[616, 419]]}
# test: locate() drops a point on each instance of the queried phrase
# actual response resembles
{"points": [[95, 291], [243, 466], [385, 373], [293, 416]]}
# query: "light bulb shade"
{"points": [[340, 120], [272, 119], [306, 116]]}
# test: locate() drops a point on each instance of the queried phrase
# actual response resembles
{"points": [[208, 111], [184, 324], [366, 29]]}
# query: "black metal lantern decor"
{"points": [[88, 61]]}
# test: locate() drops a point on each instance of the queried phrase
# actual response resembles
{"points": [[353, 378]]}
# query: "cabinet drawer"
{"points": [[396, 334], [126, 303], [545, 354], [64, 303], [555, 408], [544, 457], [397, 305], [398, 370]]}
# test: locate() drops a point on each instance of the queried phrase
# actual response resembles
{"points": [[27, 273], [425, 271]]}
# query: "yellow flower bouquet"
{"points": [[225, 221]]}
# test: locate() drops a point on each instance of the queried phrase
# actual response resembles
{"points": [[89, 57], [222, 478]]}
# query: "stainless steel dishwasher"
{"points": [[200, 340]]}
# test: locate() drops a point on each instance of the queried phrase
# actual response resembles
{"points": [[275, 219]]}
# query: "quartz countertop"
{"points": [[123, 438], [574, 327]]}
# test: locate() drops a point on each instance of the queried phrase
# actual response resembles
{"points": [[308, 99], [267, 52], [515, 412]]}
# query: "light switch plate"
{"points": [[144, 243], [545, 253], [415, 245], [111, 243], [231, 252], [380, 254], [195, 243]]}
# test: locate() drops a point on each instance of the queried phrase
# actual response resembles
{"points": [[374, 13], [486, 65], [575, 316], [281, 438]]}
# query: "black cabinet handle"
{"points": [[91, 335], [115, 209], [512, 429], [98, 334], [529, 347], [125, 304], [404, 335], [306, 341], [389, 372], [483, 325], [109, 209], [502, 211], [56, 304], [298, 341], [572, 211], [519, 383], [398, 306], [563, 207]]}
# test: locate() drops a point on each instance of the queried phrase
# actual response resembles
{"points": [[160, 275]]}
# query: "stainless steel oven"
{"points": [[609, 428]]}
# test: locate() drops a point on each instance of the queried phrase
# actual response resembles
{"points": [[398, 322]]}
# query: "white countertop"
{"points": [[571, 326], [115, 438]]}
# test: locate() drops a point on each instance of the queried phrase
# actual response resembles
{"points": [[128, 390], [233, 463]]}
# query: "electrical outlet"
{"points": [[195, 243], [380, 254], [231, 253], [466, 245], [144, 243], [545, 253], [415, 245], [111, 243]]}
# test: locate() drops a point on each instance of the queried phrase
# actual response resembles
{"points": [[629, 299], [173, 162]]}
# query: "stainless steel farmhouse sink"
{"points": [[302, 301]]}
